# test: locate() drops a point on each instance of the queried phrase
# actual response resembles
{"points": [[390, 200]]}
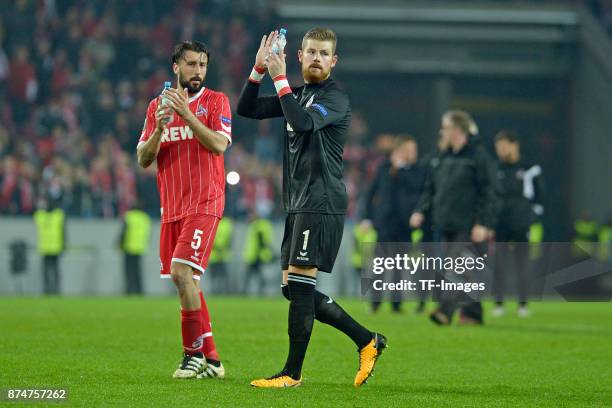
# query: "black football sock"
{"points": [[329, 312], [301, 319]]}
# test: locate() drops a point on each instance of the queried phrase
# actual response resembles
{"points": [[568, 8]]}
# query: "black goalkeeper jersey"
{"points": [[312, 159]]}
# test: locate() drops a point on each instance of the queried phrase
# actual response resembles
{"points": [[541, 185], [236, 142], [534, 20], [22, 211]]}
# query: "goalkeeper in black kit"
{"points": [[317, 117]]}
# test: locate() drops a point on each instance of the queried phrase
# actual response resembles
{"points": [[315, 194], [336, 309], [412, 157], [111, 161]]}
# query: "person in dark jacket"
{"points": [[392, 197], [519, 191], [461, 198], [430, 237]]}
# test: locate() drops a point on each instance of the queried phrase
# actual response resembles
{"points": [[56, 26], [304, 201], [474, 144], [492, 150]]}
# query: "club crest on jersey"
{"points": [[176, 134], [201, 110]]}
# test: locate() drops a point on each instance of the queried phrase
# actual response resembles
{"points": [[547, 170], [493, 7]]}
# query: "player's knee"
{"points": [[310, 271], [285, 290], [181, 274]]}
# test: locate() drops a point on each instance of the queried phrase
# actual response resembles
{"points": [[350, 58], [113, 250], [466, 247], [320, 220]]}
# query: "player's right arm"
{"points": [[250, 104], [156, 121]]}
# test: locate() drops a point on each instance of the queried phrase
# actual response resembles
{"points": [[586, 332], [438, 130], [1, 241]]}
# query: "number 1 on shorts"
{"points": [[306, 234]]}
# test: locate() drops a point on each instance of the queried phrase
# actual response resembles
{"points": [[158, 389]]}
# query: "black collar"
{"points": [[318, 85]]}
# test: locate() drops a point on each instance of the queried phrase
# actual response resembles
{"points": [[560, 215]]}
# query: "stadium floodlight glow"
{"points": [[233, 178]]}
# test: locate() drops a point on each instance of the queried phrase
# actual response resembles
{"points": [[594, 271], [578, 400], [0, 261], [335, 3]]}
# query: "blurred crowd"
{"points": [[75, 81], [76, 77]]}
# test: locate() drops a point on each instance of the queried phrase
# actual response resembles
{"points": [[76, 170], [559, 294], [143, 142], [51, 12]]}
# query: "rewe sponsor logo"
{"points": [[176, 134]]}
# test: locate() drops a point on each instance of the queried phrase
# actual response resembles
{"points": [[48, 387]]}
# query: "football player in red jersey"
{"points": [[186, 135]]}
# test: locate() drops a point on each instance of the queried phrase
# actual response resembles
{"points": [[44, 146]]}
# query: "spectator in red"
{"points": [[353, 179], [69, 110], [155, 83], [125, 183], [45, 65], [16, 189], [56, 180], [102, 187], [238, 41], [258, 191], [163, 36], [22, 84], [61, 74], [89, 21]]}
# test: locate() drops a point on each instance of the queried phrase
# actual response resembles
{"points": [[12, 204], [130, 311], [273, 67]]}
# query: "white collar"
{"points": [[196, 96]]}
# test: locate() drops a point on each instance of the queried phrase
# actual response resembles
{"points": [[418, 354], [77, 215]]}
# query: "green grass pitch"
{"points": [[122, 352]]}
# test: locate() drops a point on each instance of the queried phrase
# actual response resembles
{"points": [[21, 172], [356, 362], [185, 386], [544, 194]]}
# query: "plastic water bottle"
{"points": [[164, 99], [279, 44]]}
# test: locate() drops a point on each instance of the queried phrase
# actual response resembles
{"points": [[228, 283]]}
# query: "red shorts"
{"points": [[188, 241]]}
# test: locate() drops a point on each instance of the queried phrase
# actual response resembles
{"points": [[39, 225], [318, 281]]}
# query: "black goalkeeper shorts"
{"points": [[312, 239]]}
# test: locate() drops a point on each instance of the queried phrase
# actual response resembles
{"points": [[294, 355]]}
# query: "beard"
{"points": [[312, 75], [191, 88]]}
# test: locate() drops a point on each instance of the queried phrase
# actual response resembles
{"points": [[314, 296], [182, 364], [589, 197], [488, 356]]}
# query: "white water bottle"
{"points": [[164, 99], [279, 44]]}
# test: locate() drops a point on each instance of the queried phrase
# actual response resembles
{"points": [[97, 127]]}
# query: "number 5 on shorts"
{"points": [[197, 239]]}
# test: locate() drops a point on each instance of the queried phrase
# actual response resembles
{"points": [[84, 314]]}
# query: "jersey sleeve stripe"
{"points": [[229, 138]]}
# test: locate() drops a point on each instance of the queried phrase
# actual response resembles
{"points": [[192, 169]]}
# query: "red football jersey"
{"points": [[190, 178]]}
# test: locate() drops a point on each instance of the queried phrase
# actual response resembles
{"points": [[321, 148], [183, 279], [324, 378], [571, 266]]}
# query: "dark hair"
{"points": [[507, 135], [197, 46]]}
